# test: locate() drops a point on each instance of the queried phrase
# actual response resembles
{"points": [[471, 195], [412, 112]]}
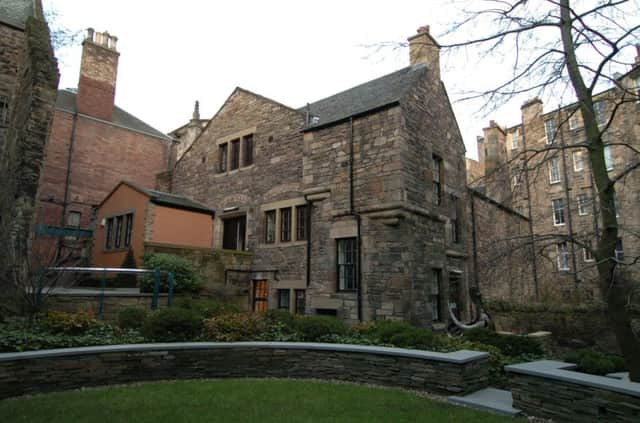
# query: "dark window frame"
{"points": [[284, 299], [301, 222], [300, 301], [128, 229], [4, 110], [437, 179], [270, 229], [222, 157], [286, 216], [347, 264], [247, 141], [118, 233], [436, 295], [237, 225], [108, 237], [235, 154]]}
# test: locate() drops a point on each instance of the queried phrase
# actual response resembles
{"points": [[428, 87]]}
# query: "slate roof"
{"points": [[377, 93], [16, 12], [67, 101], [168, 199]]}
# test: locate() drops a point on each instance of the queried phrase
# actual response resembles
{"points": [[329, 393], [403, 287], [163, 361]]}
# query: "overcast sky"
{"points": [[173, 53]]}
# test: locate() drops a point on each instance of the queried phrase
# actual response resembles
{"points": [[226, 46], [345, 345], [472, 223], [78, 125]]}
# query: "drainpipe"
{"points": [[474, 240], [67, 179], [358, 222], [309, 205]]}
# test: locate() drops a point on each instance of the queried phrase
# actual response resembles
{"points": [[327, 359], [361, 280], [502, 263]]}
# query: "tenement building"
{"points": [[540, 170], [350, 206], [94, 144]]}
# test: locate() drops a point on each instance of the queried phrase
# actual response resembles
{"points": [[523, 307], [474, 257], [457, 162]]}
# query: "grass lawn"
{"points": [[236, 400]]}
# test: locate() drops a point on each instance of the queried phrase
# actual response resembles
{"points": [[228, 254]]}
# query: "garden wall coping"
{"points": [[456, 357], [559, 370]]}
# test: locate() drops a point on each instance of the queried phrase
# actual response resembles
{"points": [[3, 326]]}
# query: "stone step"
{"points": [[494, 400]]}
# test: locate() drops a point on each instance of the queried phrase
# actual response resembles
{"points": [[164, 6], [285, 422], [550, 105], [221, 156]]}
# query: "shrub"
{"points": [[207, 308], [282, 318], [510, 345], [311, 328], [235, 327], [131, 318], [185, 278], [594, 362], [68, 323], [173, 324]]}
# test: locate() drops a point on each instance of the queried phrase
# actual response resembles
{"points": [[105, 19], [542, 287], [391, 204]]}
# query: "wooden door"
{"points": [[260, 295]]}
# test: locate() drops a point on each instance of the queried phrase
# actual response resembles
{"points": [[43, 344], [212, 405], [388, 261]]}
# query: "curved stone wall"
{"points": [[62, 369]]}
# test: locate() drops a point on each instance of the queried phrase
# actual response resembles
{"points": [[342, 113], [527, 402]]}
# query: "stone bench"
{"points": [[550, 389], [61, 369]]}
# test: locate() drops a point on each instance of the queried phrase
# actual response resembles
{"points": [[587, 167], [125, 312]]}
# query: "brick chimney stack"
{"points": [[98, 72], [424, 49]]}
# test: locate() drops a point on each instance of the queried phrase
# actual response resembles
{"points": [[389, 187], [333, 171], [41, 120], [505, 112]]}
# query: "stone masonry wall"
{"points": [[34, 372], [11, 58]]}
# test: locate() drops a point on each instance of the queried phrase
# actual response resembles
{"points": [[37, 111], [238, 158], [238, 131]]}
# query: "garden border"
{"points": [[32, 372]]}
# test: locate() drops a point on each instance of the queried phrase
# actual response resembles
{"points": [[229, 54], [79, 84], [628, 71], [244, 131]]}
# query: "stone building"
{"points": [[28, 84], [350, 206], [554, 190], [94, 144]]}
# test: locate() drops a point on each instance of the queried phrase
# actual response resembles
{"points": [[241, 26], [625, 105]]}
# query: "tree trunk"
{"points": [[611, 281]]}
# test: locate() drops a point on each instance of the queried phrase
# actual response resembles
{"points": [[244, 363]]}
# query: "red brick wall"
{"points": [[103, 155]]}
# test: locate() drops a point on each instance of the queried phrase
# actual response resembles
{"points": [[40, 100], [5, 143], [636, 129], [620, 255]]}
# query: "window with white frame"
{"points": [[554, 170], [557, 207], [583, 204], [550, 130], [574, 120], [562, 250], [587, 253], [578, 161], [598, 109], [608, 158], [514, 139], [619, 251]]}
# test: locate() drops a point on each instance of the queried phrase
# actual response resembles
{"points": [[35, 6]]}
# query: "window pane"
{"points": [[436, 276], [222, 157], [235, 154], [128, 229], [583, 204], [283, 299], [234, 233], [248, 149], [73, 219], [557, 206], [109, 234], [285, 224], [608, 160], [347, 251], [300, 301], [301, 223], [270, 226], [598, 108], [578, 165], [563, 256], [554, 170], [550, 130], [118, 235]]}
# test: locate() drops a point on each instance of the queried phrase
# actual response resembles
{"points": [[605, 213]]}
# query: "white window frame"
{"points": [[562, 251], [550, 130], [608, 158], [587, 255], [515, 139], [554, 170], [578, 161], [574, 120], [619, 250], [559, 210], [583, 203], [599, 111]]}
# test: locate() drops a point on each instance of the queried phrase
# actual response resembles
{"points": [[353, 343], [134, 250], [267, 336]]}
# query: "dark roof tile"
{"points": [[369, 96]]}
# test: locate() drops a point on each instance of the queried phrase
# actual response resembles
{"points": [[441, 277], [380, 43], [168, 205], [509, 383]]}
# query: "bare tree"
{"points": [[567, 50]]}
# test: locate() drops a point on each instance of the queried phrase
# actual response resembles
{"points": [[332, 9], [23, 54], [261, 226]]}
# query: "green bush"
{"points": [[68, 323], [594, 362], [401, 334], [207, 308], [282, 318], [131, 318], [185, 278], [17, 336], [510, 345], [173, 324], [313, 327], [235, 327]]}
